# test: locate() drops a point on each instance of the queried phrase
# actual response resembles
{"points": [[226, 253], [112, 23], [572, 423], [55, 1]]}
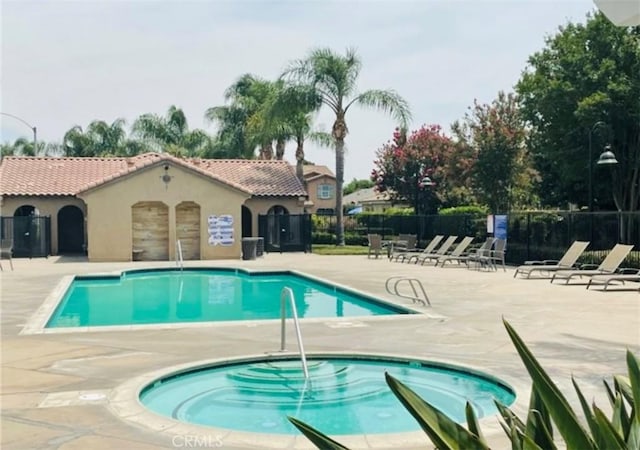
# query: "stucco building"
{"points": [[321, 185], [119, 209]]}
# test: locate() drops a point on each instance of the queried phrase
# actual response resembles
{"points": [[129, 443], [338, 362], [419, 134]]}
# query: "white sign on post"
{"points": [[220, 230]]}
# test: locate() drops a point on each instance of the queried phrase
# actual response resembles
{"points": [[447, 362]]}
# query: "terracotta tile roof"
{"points": [[312, 171], [70, 176]]}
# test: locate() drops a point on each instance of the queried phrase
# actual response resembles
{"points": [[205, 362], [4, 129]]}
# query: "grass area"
{"points": [[330, 249]]}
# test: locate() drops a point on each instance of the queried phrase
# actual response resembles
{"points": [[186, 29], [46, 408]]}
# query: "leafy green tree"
{"points": [[585, 85], [171, 133], [333, 77], [502, 170], [246, 97], [356, 185]]}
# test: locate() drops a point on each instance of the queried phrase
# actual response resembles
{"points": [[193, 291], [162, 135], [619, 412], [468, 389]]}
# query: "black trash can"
{"points": [[249, 248]]}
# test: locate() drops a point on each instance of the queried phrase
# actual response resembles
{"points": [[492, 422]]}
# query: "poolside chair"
{"points": [[375, 245], [456, 253], [494, 256], [607, 267], [6, 250], [404, 243], [622, 276], [442, 250], [567, 261], [401, 256]]}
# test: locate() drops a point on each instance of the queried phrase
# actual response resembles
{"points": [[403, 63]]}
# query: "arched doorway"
{"points": [[25, 231], [188, 229], [278, 225], [247, 219], [150, 231], [70, 230]]}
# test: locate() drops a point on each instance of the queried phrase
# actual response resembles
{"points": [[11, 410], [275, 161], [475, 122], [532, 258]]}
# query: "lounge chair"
{"points": [[606, 280], [405, 243], [442, 250], [457, 252], [6, 250], [375, 245], [607, 267], [492, 257], [567, 261], [428, 249]]}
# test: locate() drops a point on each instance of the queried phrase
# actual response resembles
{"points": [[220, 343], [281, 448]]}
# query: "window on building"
{"points": [[325, 191]]}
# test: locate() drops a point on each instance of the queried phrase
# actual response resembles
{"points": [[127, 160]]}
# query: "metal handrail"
{"points": [[179, 259], [288, 293], [416, 287]]}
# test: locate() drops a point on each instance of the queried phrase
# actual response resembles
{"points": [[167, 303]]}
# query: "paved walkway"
{"points": [[58, 389]]}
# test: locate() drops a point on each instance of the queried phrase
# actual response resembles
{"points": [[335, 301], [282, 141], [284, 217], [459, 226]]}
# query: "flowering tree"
{"points": [[415, 168], [502, 175]]}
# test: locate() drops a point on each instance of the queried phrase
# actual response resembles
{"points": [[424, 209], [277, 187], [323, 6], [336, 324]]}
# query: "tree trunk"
{"points": [[266, 151], [280, 143], [300, 158], [339, 132]]}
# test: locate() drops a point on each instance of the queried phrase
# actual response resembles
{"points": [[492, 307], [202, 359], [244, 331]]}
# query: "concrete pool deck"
{"points": [[63, 390]]}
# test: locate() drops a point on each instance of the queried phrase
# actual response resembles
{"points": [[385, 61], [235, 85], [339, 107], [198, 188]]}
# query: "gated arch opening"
{"points": [[150, 231], [70, 230]]}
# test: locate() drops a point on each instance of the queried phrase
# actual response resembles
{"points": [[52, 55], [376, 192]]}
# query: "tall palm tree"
{"points": [[171, 133], [107, 139], [334, 77], [238, 122], [76, 142]]}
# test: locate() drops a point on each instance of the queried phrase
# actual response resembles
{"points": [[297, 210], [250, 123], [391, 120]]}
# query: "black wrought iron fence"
{"points": [[531, 235], [31, 235]]}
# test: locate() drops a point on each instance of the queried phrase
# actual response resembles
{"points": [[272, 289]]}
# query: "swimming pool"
{"points": [[162, 296], [344, 395]]}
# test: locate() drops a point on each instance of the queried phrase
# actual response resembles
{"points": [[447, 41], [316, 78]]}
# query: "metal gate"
{"points": [[31, 235], [285, 232]]}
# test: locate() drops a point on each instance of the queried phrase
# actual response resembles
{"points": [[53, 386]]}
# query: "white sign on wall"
{"points": [[220, 230]]}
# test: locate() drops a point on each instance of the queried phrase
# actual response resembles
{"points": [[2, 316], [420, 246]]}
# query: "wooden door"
{"points": [[188, 229], [150, 231]]}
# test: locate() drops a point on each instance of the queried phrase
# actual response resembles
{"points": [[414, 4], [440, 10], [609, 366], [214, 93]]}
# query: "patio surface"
{"points": [[62, 391]]}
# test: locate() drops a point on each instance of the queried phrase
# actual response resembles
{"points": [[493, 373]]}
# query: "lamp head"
{"points": [[607, 157]]}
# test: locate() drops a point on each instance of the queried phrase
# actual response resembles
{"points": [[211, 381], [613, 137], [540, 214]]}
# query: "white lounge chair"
{"points": [[606, 280], [457, 252], [428, 249], [567, 261], [607, 267], [442, 250]]}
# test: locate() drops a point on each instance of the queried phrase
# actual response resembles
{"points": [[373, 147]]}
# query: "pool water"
{"points": [[342, 396], [169, 296]]}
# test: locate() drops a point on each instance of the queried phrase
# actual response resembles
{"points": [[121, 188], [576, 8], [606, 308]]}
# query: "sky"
{"points": [[67, 63]]}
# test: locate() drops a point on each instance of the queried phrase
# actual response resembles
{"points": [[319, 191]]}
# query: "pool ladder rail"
{"points": [[287, 294], [179, 259], [419, 294]]}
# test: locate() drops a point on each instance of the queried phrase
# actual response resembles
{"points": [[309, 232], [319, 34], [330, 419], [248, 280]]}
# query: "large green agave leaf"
{"points": [[591, 420], [318, 439], [623, 385], [528, 443], [634, 379], [472, 422], [538, 425], [543, 434], [509, 417], [612, 440], [444, 432], [563, 416]]}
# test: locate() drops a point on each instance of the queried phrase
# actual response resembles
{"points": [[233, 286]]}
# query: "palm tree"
{"points": [[334, 77], [239, 122], [107, 140], [76, 142], [171, 133]]}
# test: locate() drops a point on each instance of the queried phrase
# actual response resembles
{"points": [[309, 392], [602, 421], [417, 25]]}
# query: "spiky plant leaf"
{"points": [[543, 432], [563, 416], [527, 443], [320, 440], [634, 380], [591, 420], [472, 422], [623, 385], [612, 439], [444, 432], [610, 395], [509, 417], [538, 425], [618, 417]]}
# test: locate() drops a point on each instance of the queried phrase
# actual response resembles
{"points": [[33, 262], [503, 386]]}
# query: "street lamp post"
{"points": [[33, 129], [591, 130]]}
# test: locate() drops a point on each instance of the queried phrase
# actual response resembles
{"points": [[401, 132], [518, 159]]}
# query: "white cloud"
{"points": [[70, 62]]}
